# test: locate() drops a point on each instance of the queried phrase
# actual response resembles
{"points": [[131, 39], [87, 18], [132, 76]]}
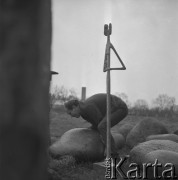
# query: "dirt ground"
{"points": [[66, 168]]}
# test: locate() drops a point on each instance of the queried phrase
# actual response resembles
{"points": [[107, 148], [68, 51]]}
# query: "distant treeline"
{"points": [[59, 95], [163, 105]]}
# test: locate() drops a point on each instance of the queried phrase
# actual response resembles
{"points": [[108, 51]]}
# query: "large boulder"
{"points": [[171, 137], [119, 140], [82, 143], [146, 127], [138, 153], [124, 129], [176, 132], [166, 158]]}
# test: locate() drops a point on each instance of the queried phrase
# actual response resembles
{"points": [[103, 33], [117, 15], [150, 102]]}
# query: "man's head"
{"points": [[73, 108]]}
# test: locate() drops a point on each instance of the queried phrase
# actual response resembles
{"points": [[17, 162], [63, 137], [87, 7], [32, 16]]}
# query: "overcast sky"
{"points": [[144, 33]]}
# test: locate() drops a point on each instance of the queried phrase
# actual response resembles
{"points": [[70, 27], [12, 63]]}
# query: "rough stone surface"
{"points": [[82, 143], [125, 129], [171, 137], [138, 153], [176, 132], [146, 127], [163, 157], [119, 140]]}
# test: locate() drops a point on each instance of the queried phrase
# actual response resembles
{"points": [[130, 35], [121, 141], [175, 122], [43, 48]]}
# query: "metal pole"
{"points": [[108, 88], [108, 117], [107, 68], [107, 32]]}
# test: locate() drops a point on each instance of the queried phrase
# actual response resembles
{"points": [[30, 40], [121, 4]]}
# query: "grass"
{"points": [[66, 168]]}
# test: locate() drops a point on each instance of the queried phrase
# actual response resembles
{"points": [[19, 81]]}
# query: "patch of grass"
{"points": [[66, 168]]}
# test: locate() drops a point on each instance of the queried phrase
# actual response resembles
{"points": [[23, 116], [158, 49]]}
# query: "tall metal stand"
{"points": [[109, 46]]}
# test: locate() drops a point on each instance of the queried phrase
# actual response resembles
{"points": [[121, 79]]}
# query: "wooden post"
{"points": [[83, 94], [24, 92]]}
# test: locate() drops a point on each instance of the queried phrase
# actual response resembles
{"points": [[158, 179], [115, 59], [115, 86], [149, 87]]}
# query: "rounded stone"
{"points": [[171, 137], [166, 159], [144, 128], [138, 153], [176, 132], [124, 129], [82, 143], [119, 140]]}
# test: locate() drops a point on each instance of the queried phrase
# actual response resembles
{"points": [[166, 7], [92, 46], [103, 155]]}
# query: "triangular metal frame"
{"points": [[109, 46], [106, 68]]}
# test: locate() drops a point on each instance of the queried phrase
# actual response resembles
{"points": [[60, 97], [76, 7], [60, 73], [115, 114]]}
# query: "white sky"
{"points": [[144, 33]]}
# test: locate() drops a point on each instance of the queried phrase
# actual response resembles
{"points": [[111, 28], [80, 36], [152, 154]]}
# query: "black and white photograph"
{"points": [[88, 89]]}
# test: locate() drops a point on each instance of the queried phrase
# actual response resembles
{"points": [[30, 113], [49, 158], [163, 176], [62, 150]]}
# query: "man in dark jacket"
{"points": [[94, 110]]}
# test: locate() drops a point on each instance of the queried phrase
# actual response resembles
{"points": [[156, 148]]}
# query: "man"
{"points": [[94, 110]]}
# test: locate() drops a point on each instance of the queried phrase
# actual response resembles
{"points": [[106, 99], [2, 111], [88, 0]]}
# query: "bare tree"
{"points": [[72, 94], [62, 95], [141, 104], [165, 105], [163, 102], [141, 107], [53, 96]]}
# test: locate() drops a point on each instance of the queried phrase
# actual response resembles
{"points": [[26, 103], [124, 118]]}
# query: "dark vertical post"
{"points": [[107, 32], [108, 90], [25, 42], [83, 94], [107, 68]]}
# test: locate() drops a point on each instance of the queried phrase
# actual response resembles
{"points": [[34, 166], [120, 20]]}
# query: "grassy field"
{"points": [[66, 168]]}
